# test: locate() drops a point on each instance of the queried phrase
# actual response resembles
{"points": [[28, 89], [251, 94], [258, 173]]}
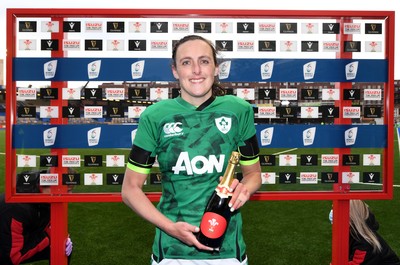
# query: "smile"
{"points": [[199, 80]]}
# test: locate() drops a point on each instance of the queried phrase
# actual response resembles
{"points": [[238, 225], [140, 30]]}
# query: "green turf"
{"points": [[276, 232]]}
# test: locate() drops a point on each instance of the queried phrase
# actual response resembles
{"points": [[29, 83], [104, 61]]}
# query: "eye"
{"points": [[185, 62], [204, 61]]}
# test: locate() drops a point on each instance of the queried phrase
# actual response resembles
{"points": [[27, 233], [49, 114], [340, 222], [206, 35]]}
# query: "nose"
{"points": [[196, 68]]}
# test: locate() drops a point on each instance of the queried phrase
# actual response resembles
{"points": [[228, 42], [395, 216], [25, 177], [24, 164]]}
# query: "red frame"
{"points": [[340, 195]]}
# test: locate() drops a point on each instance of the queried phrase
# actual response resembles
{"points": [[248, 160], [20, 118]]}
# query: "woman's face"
{"points": [[195, 68]]}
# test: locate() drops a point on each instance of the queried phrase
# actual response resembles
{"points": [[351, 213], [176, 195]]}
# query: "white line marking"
{"points": [[289, 150]]}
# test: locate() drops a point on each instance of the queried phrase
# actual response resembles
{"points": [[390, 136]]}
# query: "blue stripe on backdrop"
{"points": [[322, 136], [73, 136], [270, 136], [241, 70]]}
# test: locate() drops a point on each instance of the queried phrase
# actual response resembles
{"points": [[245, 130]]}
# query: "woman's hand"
{"points": [[185, 232], [240, 195]]}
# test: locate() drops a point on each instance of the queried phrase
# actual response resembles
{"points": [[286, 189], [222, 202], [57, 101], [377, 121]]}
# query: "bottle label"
{"points": [[223, 191], [213, 225]]}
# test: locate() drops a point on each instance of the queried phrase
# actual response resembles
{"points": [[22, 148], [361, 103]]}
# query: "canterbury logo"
{"points": [[173, 128]]}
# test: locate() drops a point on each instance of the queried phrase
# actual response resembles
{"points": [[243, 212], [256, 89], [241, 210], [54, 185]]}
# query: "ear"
{"points": [[175, 72]]}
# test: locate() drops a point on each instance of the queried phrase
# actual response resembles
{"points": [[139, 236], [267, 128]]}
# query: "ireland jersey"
{"points": [[193, 146]]}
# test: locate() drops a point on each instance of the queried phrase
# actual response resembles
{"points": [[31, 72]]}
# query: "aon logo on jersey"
{"points": [[198, 164]]}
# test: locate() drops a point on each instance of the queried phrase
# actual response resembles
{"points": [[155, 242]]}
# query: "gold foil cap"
{"points": [[235, 157]]}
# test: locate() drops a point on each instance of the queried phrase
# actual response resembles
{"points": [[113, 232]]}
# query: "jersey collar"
{"points": [[205, 104]]}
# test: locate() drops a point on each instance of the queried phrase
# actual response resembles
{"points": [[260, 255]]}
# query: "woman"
{"points": [[193, 136], [366, 246]]}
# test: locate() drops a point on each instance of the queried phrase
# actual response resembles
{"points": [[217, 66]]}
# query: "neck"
{"points": [[196, 101]]}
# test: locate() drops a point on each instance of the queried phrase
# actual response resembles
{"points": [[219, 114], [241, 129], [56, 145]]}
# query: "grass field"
{"points": [[276, 232]]}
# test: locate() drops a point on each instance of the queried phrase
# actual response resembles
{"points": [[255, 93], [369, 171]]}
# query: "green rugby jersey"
{"points": [[193, 147]]}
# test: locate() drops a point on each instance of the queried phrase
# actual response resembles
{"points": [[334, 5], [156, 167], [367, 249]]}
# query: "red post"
{"points": [[340, 232], [59, 233], [340, 229], [59, 210]]}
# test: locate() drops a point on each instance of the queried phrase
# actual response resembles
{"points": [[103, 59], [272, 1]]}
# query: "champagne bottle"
{"points": [[217, 213]]}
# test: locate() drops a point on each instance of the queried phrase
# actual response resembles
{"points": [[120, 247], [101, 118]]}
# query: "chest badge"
{"points": [[223, 124]]}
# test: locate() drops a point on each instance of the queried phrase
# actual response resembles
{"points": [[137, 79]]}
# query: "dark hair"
{"points": [[217, 89]]}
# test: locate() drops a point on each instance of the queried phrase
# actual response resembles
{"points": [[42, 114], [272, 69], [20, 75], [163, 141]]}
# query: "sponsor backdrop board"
{"points": [[320, 87]]}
